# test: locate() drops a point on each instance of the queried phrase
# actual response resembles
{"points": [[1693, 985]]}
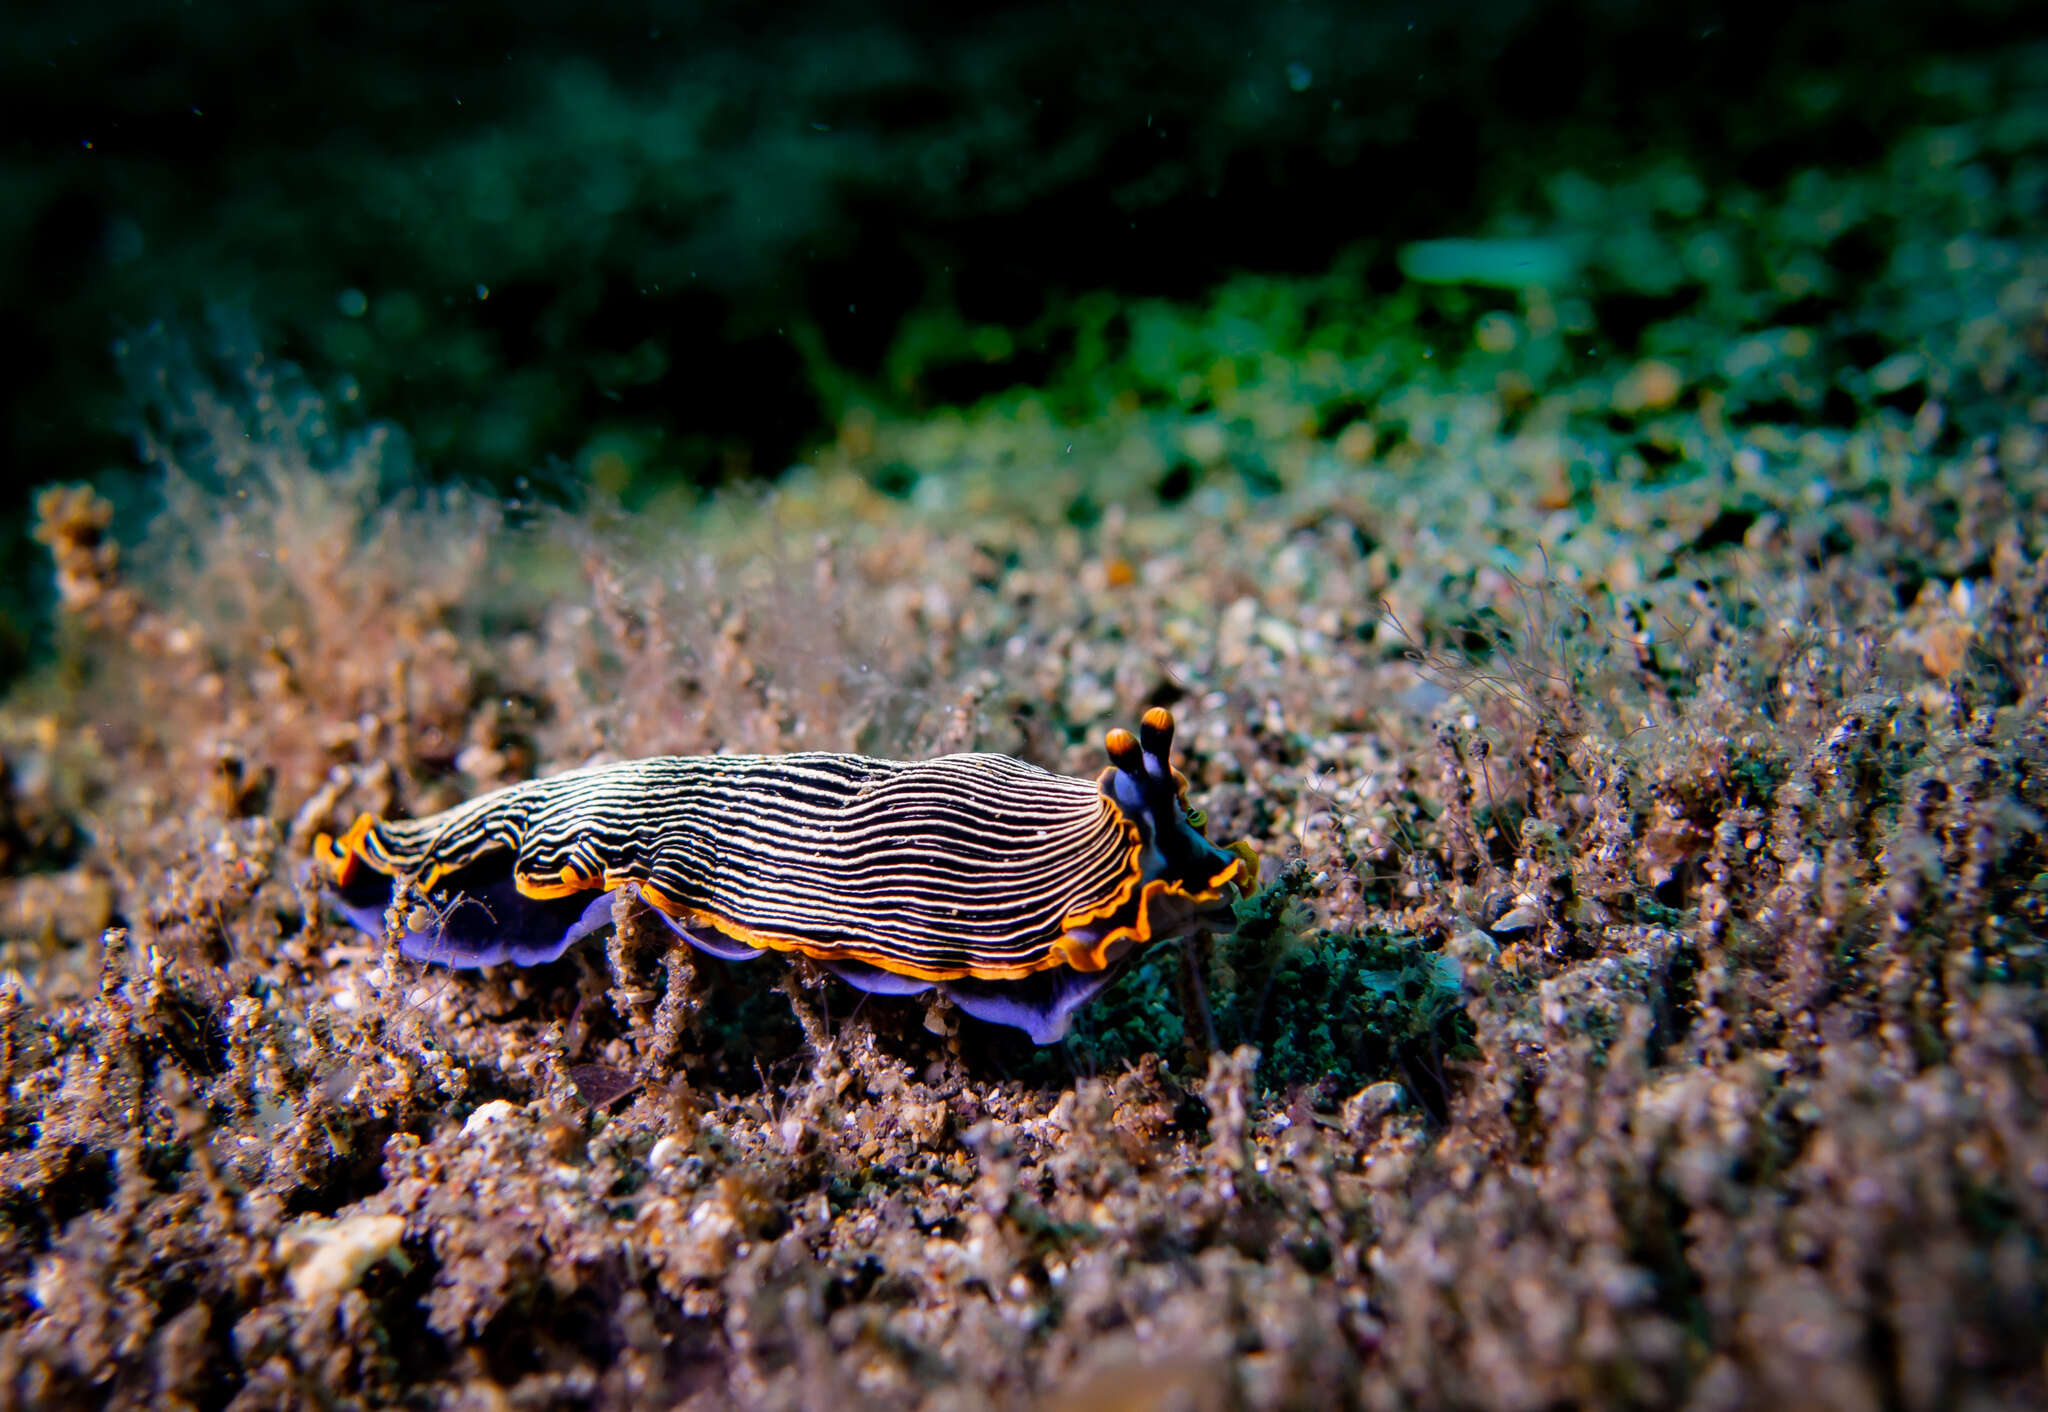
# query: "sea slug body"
{"points": [[1017, 891]]}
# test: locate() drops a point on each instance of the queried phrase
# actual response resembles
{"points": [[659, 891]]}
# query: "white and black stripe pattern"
{"points": [[1017, 892], [965, 864]]}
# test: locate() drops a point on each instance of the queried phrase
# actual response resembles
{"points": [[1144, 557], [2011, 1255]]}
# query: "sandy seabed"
{"points": [[1643, 1007]]}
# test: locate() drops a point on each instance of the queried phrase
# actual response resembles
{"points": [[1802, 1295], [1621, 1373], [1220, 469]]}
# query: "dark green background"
{"points": [[702, 232]]}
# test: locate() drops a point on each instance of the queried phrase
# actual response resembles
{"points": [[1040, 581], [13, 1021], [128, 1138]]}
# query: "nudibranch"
{"points": [[1016, 891]]}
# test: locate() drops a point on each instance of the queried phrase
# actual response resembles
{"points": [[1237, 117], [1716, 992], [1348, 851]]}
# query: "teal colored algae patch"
{"points": [[1329, 1010], [1337, 1012]]}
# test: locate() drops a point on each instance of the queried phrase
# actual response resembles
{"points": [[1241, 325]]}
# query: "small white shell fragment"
{"points": [[1370, 1104], [323, 1257], [496, 1111], [1518, 919]]}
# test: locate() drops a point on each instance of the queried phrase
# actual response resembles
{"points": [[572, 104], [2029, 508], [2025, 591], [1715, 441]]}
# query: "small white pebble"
{"points": [[496, 1111], [328, 1257]]}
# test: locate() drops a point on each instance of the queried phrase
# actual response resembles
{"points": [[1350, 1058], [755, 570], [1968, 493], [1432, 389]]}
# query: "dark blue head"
{"points": [[1143, 784]]}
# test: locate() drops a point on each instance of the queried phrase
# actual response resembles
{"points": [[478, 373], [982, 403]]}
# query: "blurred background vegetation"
{"points": [[641, 246]]}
